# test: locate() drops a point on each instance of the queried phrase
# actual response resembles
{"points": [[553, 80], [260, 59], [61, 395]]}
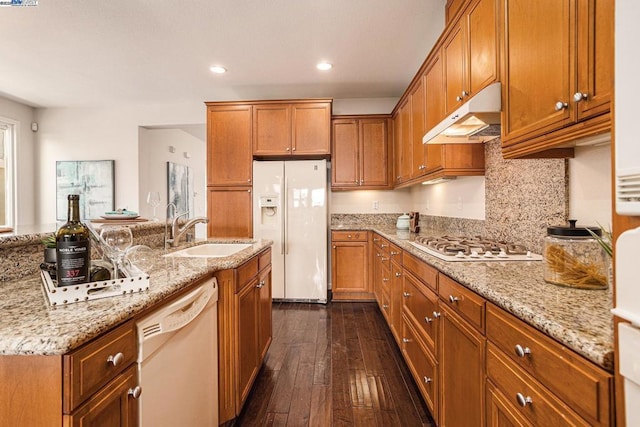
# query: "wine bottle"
{"points": [[73, 247]]}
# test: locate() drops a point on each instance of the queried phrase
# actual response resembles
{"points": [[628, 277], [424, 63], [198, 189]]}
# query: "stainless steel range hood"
{"points": [[466, 124]]}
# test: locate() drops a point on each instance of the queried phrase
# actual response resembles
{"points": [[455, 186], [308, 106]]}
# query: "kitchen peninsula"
{"points": [[40, 345]]}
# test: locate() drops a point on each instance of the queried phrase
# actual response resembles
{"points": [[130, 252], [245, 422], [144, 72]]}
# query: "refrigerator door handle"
{"points": [[283, 205], [285, 226]]}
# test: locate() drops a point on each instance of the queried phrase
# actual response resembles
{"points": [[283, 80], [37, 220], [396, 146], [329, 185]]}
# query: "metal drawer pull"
{"points": [[427, 380], [561, 105], [406, 340], [385, 279], [135, 392], [406, 294], [453, 299], [522, 351], [385, 305], [382, 245], [260, 285], [115, 360], [428, 319], [436, 314], [523, 401], [579, 96], [398, 274]]}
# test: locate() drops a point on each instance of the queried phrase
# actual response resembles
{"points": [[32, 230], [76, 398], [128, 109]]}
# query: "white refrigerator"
{"points": [[627, 201], [290, 208]]}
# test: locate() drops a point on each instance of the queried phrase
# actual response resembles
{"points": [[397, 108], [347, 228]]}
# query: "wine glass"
{"points": [[117, 239], [153, 199]]}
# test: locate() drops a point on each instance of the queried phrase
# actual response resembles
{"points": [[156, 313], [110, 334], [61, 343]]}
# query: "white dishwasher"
{"points": [[178, 361]]}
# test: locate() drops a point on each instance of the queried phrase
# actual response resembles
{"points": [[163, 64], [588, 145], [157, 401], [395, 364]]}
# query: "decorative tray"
{"points": [[94, 290]]}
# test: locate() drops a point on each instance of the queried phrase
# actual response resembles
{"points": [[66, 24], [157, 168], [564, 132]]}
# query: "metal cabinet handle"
{"points": [[116, 359], [522, 351], [288, 148], [580, 96], [385, 279], [293, 149], [522, 400], [334, 246], [406, 340], [436, 314], [561, 105], [361, 181], [428, 319], [427, 380], [406, 294], [453, 299], [382, 245], [398, 274], [249, 180], [465, 93], [385, 305], [260, 285], [458, 98], [385, 259], [348, 236], [135, 392]]}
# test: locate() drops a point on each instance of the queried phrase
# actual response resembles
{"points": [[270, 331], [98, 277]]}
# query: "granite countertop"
{"points": [[579, 319], [28, 325]]}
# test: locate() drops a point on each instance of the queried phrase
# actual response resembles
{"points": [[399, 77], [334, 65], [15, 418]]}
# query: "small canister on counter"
{"points": [[573, 257]]}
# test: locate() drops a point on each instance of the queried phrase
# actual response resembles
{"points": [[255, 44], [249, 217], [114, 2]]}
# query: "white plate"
{"points": [[119, 216]]}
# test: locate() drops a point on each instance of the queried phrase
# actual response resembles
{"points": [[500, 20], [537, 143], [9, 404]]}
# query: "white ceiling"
{"points": [[114, 52]]}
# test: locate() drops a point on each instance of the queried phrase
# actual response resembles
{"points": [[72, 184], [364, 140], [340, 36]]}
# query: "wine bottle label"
{"points": [[73, 260]]}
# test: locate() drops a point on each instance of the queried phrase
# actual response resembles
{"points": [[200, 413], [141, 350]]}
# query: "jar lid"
{"points": [[572, 231]]}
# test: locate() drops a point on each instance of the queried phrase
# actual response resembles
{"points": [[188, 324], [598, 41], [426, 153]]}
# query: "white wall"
{"points": [[100, 134], [590, 185], [25, 153], [361, 201], [463, 197], [153, 155], [363, 106]]}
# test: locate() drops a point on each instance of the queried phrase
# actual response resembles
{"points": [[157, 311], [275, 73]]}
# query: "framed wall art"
{"points": [[93, 180], [180, 187]]}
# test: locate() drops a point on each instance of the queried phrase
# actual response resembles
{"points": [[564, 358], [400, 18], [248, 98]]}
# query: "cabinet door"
{"points": [[311, 128], [595, 57], [501, 412], [482, 29], [247, 351], [271, 129], [349, 268], [538, 51], [454, 53], [406, 164], [264, 312], [417, 129], [345, 162], [229, 211], [229, 157], [397, 147], [113, 406], [434, 93], [374, 153], [395, 301], [461, 361]]}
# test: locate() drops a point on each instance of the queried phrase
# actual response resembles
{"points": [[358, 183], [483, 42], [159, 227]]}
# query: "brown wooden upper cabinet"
{"points": [[418, 105], [558, 72], [300, 128], [229, 145], [470, 53], [360, 147]]}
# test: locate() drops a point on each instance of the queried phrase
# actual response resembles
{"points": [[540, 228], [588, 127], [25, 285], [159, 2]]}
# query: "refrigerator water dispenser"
{"points": [[269, 211]]}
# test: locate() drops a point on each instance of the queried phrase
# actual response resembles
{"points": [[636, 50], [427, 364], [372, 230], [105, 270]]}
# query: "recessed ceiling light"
{"points": [[218, 69], [324, 66]]}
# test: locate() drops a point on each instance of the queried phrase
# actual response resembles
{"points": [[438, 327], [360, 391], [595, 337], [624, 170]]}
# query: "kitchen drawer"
{"points": [[395, 253], [533, 401], [245, 272], [464, 301], [380, 242], [264, 259], [422, 365], [349, 236], [385, 277], [585, 387], [421, 269], [418, 304], [90, 367]]}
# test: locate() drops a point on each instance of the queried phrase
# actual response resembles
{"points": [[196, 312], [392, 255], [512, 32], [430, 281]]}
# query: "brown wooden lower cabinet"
{"points": [[350, 266], [244, 330], [461, 362]]}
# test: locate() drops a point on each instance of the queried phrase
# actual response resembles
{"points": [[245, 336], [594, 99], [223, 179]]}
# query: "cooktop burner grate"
{"points": [[476, 248]]}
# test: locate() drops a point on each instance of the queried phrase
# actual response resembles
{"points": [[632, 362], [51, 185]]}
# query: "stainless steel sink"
{"points": [[210, 250]]}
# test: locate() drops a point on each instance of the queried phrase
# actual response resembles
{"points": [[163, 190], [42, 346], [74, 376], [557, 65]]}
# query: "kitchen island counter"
{"points": [[579, 319], [29, 326]]}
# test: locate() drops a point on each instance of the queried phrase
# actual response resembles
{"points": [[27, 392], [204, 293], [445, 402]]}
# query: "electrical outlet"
{"points": [[375, 205], [460, 203]]}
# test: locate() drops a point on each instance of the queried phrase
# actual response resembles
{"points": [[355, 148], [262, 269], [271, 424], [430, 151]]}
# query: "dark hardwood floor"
{"points": [[333, 365]]}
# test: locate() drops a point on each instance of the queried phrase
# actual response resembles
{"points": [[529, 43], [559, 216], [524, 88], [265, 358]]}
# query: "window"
{"points": [[7, 144]]}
